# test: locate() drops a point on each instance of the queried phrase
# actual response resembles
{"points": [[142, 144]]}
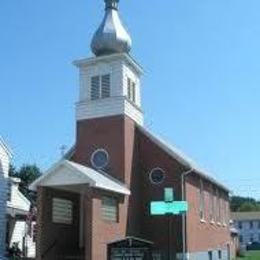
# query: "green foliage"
{"points": [[27, 174], [244, 204]]}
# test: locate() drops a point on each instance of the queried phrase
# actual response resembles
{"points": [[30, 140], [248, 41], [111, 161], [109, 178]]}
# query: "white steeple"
{"points": [[110, 82]]}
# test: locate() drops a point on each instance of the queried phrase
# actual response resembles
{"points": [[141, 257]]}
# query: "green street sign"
{"points": [[168, 206], [168, 195], [164, 208]]}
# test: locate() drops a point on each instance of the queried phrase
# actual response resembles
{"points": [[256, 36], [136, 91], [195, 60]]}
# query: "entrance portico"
{"points": [[67, 194]]}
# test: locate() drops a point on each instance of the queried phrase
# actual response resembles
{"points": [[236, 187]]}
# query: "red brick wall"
{"points": [[107, 133], [63, 237], [203, 236], [155, 228], [132, 157], [118, 136]]}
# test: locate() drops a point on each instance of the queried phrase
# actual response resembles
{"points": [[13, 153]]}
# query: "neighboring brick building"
{"points": [[94, 203]]}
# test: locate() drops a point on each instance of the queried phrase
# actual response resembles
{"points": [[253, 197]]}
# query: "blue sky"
{"points": [[200, 89]]}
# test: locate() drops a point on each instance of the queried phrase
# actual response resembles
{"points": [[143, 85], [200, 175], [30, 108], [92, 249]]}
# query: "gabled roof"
{"points": [[254, 215], [6, 148], [180, 157], [173, 152], [66, 173]]}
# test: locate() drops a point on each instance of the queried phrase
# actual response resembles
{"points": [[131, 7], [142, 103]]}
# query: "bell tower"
{"points": [[110, 81]]}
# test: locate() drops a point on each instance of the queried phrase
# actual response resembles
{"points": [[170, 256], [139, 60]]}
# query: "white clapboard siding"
{"points": [[3, 197], [4, 169], [108, 107], [117, 69], [18, 233], [31, 246], [4, 158], [18, 200]]}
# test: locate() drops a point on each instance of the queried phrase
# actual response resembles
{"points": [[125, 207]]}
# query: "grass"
{"points": [[250, 255]]}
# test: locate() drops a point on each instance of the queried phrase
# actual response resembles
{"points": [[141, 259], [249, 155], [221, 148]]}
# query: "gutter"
{"points": [[183, 197]]}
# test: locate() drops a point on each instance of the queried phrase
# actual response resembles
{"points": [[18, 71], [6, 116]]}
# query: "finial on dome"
{"points": [[111, 36], [112, 4]]}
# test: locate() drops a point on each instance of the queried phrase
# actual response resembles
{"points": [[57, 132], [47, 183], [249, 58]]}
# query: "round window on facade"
{"points": [[157, 176], [99, 159]]}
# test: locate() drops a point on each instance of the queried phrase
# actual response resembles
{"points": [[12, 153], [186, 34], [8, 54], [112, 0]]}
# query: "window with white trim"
{"points": [[202, 200], [211, 206], [62, 211], [100, 87], [109, 209], [131, 90], [218, 207]]}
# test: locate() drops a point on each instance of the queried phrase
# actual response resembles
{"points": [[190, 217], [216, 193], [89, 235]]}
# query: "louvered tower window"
{"points": [[105, 88], [95, 83], [131, 90], [100, 87]]}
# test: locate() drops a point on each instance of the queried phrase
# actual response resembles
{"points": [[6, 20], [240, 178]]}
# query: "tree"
{"points": [[27, 174], [244, 204]]}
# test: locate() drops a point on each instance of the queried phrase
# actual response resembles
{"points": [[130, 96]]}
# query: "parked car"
{"points": [[253, 246]]}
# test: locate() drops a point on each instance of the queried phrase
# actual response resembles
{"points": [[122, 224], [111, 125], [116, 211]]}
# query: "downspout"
{"points": [[183, 197]]}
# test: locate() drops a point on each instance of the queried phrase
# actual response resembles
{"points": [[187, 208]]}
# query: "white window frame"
{"points": [[104, 216], [93, 155], [131, 90], [101, 87], [201, 201], [151, 172]]}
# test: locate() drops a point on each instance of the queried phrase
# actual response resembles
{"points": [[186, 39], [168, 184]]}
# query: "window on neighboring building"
{"points": [[9, 190], [252, 238], [251, 223], [241, 240], [219, 254], [110, 209], [240, 224], [100, 87], [210, 255], [202, 200], [131, 90]]}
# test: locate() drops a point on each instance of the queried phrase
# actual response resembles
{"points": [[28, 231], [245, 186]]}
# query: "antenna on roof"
{"points": [[63, 149]]}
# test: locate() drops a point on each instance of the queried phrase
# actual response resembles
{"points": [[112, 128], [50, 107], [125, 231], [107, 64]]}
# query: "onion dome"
{"points": [[111, 36]]}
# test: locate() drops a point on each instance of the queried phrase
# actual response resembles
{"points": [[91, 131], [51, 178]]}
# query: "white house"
{"points": [[14, 227], [5, 156], [248, 225]]}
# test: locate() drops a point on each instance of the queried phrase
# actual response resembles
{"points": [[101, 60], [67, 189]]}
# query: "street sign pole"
{"points": [[169, 207]]}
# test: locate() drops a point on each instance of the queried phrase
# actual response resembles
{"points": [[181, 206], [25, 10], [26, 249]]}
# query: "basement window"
{"points": [[109, 209], [100, 87]]}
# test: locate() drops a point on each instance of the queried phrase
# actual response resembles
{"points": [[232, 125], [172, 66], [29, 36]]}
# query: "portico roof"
{"points": [[67, 173]]}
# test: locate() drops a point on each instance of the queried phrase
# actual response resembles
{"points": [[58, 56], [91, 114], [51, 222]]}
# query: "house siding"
{"points": [[3, 197]]}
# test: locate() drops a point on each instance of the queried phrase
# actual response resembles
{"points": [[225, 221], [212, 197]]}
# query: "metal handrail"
{"points": [[49, 249]]}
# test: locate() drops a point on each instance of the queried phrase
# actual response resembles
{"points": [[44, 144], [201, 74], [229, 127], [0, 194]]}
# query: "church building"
{"points": [[94, 204]]}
